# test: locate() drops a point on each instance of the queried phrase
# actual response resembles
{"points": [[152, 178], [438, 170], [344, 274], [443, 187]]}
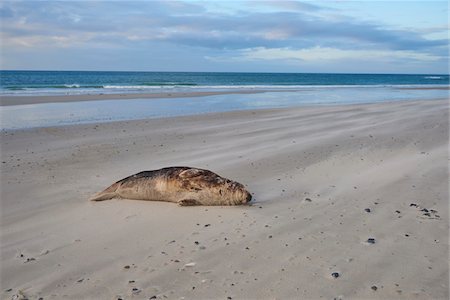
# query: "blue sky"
{"points": [[240, 36]]}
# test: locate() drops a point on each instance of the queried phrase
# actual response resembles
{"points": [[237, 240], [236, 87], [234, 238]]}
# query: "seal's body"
{"points": [[183, 185]]}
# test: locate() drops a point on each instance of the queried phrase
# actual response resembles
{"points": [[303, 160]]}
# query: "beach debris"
{"points": [[374, 287], [427, 213], [152, 297], [126, 267], [397, 211], [191, 264], [335, 275], [308, 200], [371, 240], [367, 210], [30, 259], [135, 291]]}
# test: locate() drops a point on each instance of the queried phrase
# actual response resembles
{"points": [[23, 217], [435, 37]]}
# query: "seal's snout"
{"points": [[248, 197]]}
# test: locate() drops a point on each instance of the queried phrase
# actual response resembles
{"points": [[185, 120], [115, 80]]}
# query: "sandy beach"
{"points": [[350, 202]]}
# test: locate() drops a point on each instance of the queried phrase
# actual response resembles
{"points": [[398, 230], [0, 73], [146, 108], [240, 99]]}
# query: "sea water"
{"points": [[87, 82], [291, 90]]}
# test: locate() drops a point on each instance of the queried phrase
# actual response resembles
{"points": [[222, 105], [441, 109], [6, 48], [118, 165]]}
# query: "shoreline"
{"points": [[24, 100], [224, 113]]}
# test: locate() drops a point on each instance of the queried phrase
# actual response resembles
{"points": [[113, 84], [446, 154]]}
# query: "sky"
{"points": [[226, 36]]}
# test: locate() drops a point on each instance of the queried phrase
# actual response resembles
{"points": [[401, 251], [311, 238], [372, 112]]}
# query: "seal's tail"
{"points": [[107, 194]]}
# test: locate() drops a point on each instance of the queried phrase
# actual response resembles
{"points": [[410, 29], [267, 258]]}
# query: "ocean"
{"points": [[89, 82], [280, 90]]}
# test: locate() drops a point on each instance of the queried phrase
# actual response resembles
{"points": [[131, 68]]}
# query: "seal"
{"points": [[183, 185]]}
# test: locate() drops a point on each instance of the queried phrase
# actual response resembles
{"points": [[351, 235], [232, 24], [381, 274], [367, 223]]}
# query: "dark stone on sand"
{"points": [[196, 242], [335, 275], [413, 204], [126, 267], [367, 210], [308, 199], [427, 214], [424, 210], [374, 287], [8, 290], [371, 240], [207, 225], [397, 211], [152, 297]]}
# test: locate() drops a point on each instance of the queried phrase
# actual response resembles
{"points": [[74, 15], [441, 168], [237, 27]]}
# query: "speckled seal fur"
{"points": [[182, 185]]}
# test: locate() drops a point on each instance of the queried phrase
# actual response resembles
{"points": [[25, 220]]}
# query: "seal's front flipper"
{"points": [[188, 202]]}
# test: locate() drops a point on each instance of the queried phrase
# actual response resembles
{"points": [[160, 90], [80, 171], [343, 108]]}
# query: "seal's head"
{"points": [[214, 189], [237, 193]]}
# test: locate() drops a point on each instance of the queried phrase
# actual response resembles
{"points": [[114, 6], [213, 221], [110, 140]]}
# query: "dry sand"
{"points": [[313, 172]]}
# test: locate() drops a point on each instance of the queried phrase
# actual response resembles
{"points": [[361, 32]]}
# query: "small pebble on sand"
{"points": [[335, 275], [371, 240]]}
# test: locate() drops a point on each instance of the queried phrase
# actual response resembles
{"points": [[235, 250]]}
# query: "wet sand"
{"points": [[21, 100], [349, 202]]}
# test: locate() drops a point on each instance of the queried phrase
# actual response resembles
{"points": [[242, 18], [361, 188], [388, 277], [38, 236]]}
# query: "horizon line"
{"points": [[249, 72]]}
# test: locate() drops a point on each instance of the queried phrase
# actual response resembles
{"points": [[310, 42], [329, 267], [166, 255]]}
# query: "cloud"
{"points": [[319, 54], [289, 30]]}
